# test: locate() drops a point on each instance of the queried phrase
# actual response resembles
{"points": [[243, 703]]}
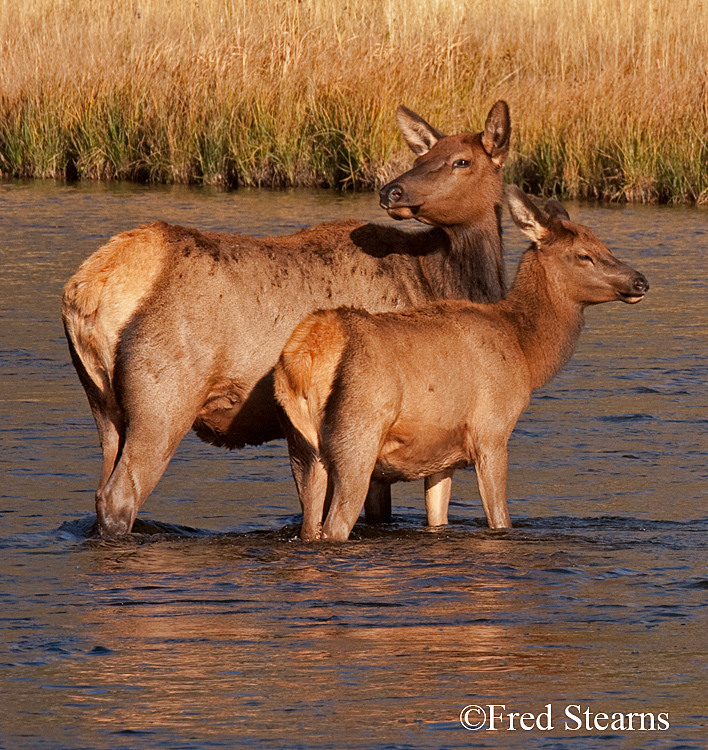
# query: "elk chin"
{"points": [[402, 212], [629, 299]]}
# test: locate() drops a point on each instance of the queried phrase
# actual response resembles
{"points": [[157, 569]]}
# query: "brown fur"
{"points": [[310, 360], [170, 328], [413, 394]]}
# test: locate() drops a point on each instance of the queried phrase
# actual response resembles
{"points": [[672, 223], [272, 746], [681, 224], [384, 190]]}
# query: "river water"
{"points": [[219, 628]]}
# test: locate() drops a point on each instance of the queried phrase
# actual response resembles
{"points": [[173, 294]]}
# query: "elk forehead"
{"points": [[576, 239], [450, 149], [584, 240]]}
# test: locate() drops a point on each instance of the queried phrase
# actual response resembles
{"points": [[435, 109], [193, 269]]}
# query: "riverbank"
{"points": [[608, 100]]}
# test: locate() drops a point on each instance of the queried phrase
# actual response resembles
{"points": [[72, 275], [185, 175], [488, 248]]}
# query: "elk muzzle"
{"points": [[638, 287], [393, 199]]}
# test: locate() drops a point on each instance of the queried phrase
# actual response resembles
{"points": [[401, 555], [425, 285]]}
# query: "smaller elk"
{"points": [[405, 395]]}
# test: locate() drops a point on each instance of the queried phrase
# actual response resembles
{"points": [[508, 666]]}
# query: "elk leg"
{"points": [[110, 440], [491, 465], [438, 487], [106, 414], [350, 483], [108, 418], [132, 480], [347, 501], [111, 430], [151, 439], [313, 498], [311, 481], [350, 464], [377, 506]]}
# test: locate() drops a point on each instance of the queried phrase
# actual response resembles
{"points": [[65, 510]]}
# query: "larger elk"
{"points": [[405, 395], [170, 328]]}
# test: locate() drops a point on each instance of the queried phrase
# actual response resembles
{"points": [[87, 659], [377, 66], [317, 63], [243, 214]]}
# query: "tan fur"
{"points": [[404, 395], [104, 294], [306, 370], [171, 328]]}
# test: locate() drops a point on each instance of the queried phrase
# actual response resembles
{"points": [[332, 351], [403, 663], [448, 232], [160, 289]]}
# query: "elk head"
{"points": [[455, 180], [573, 258]]}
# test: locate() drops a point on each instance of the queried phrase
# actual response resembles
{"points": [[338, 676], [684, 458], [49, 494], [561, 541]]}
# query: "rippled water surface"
{"points": [[214, 626]]}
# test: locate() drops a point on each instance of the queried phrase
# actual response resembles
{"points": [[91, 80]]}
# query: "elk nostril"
{"points": [[395, 194], [641, 284]]}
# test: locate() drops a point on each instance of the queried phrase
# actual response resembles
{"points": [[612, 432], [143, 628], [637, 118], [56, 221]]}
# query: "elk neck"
{"points": [[547, 321], [473, 265]]}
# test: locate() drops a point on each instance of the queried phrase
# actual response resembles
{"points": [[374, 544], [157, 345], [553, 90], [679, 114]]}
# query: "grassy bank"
{"points": [[609, 98]]}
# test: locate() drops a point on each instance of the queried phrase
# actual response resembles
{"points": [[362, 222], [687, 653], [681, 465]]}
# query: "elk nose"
{"points": [[641, 284], [391, 194]]}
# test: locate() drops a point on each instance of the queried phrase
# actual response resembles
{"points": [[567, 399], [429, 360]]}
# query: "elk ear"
{"points": [[497, 131], [532, 221], [419, 136], [556, 210]]}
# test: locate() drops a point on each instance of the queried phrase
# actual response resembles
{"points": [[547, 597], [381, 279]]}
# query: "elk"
{"points": [[404, 395], [170, 328]]}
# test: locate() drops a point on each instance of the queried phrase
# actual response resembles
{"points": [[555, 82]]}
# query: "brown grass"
{"points": [[609, 99]]}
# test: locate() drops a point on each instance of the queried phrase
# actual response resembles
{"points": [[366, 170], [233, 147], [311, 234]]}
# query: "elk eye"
{"points": [[585, 258], [460, 163]]}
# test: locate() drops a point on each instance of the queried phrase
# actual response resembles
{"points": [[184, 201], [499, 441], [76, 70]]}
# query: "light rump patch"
{"points": [[106, 291], [312, 354]]}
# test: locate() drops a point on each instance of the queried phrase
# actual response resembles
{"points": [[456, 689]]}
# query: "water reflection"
{"points": [[395, 632], [299, 630]]}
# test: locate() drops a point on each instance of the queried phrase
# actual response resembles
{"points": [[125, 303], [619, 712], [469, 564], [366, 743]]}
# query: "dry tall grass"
{"points": [[609, 98]]}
